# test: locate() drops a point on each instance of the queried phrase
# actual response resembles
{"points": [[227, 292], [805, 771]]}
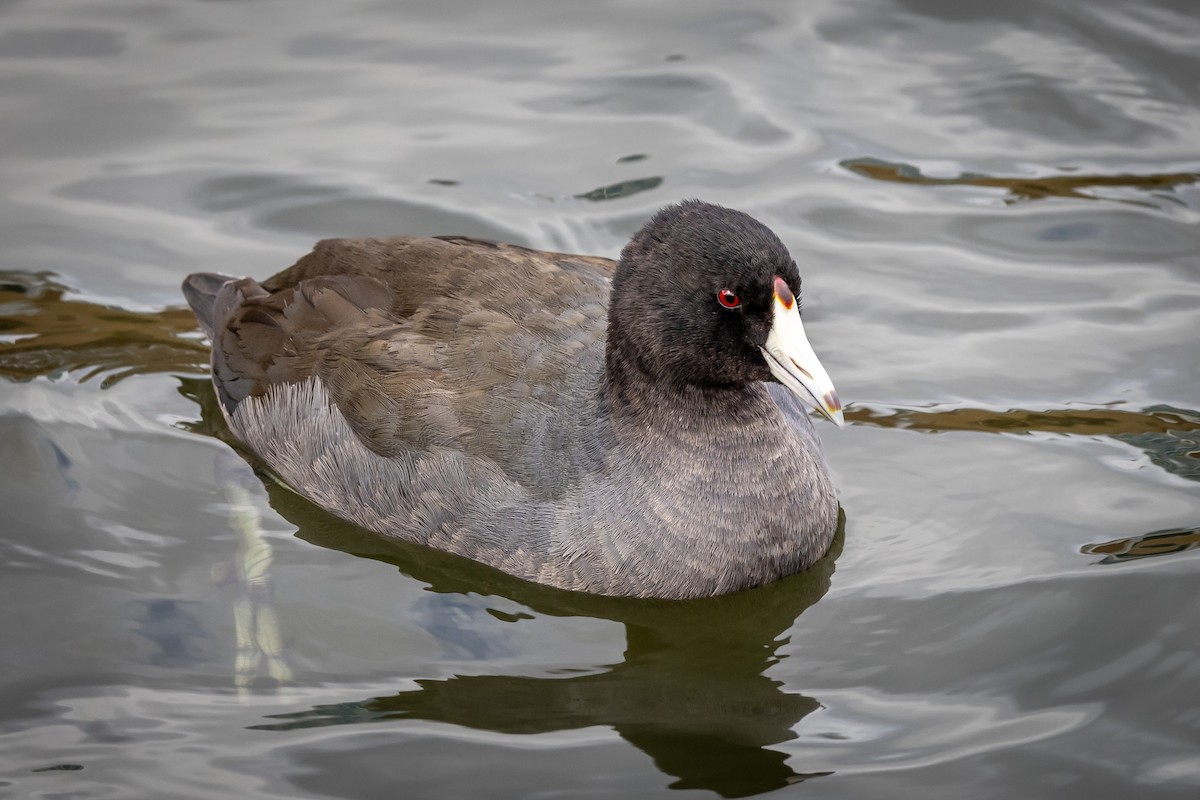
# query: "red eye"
{"points": [[728, 299]]}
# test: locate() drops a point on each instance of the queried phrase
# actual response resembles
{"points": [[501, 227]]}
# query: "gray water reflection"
{"points": [[1012, 68]]}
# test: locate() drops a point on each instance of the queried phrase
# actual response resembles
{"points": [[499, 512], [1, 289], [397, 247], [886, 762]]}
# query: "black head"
{"points": [[693, 295], [708, 296]]}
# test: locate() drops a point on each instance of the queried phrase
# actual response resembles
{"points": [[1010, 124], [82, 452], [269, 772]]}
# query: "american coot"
{"points": [[621, 429]]}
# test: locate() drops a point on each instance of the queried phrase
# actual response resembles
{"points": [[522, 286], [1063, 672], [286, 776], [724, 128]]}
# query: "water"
{"points": [[995, 208]]}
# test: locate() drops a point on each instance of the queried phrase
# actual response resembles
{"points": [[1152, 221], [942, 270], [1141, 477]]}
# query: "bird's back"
{"points": [[420, 343]]}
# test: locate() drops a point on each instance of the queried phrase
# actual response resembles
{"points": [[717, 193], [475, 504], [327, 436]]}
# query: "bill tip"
{"points": [[832, 407]]}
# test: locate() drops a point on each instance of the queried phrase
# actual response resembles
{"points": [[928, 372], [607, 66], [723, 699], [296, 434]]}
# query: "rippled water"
{"points": [[996, 210]]}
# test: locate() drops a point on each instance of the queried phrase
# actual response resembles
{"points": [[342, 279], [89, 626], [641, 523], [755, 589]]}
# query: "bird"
{"points": [[636, 428]]}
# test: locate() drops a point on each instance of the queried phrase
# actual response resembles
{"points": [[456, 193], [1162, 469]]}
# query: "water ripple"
{"points": [[1021, 189]]}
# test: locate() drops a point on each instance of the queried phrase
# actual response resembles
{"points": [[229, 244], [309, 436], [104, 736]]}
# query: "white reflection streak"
{"points": [[916, 732], [255, 620]]}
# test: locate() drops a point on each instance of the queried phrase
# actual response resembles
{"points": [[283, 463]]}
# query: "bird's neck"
{"points": [[637, 398]]}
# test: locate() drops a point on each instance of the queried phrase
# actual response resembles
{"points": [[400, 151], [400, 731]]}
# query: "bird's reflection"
{"points": [[690, 691]]}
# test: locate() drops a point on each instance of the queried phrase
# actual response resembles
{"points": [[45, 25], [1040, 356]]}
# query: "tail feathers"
{"points": [[200, 289]]}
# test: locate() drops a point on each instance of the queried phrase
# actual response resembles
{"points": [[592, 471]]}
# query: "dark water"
{"points": [[996, 210]]}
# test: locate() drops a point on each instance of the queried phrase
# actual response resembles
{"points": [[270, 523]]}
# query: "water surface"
{"points": [[996, 213]]}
